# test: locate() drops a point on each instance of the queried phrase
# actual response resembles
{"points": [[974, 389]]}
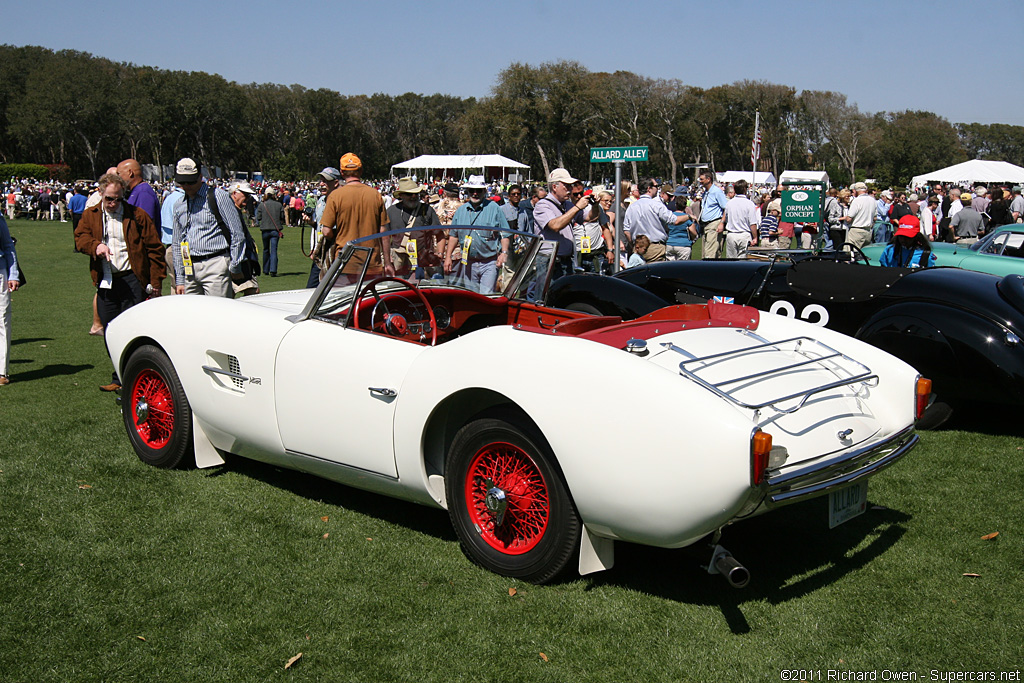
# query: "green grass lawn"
{"points": [[111, 570]]}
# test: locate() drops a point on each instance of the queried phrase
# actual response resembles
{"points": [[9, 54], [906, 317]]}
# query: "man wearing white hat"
{"points": [[241, 192], [483, 251], [554, 221]]}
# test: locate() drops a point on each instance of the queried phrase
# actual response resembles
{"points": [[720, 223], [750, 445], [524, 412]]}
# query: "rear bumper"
{"points": [[815, 479]]}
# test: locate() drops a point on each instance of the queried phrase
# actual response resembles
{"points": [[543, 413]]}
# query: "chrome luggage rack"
{"points": [[813, 351]]}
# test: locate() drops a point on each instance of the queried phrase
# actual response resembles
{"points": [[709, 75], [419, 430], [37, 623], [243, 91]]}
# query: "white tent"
{"points": [[758, 177], [460, 162], [971, 172], [804, 177]]}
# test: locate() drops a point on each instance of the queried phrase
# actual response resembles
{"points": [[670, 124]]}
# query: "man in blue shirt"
{"points": [[167, 227], [483, 251], [76, 205], [712, 208]]}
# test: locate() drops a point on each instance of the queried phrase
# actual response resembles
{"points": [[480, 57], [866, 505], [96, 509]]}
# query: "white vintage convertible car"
{"points": [[547, 434]]}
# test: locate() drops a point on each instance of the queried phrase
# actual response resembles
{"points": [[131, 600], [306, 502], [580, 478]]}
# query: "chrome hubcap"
{"points": [[496, 502], [141, 411]]}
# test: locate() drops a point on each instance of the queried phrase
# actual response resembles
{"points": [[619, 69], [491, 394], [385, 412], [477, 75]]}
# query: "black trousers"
{"points": [[124, 293]]}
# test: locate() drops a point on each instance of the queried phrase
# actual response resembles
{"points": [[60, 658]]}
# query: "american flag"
{"points": [[755, 146]]}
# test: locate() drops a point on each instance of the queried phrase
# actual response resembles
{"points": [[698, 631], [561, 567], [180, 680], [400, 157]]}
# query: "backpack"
{"points": [[250, 266]]}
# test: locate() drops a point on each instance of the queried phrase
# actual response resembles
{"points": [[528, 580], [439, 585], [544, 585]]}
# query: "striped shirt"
{"points": [[195, 223], [769, 224]]}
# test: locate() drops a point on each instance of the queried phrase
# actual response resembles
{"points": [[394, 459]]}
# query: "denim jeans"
{"points": [[270, 238], [481, 276]]}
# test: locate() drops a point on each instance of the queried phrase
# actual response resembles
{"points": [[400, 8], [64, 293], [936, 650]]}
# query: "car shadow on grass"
{"points": [[413, 516], [789, 553]]}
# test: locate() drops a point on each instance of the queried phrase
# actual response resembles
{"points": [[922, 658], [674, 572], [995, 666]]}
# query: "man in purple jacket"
{"points": [[140, 193]]}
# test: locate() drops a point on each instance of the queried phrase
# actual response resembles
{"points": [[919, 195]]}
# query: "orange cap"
{"points": [[350, 162]]}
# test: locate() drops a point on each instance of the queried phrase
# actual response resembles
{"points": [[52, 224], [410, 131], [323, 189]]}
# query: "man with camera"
{"points": [[553, 220]]}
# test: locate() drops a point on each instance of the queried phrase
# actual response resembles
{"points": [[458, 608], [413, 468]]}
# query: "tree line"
{"points": [[69, 107]]}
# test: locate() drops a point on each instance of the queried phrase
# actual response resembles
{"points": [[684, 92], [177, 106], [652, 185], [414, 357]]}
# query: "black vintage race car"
{"points": [[961, 329]]}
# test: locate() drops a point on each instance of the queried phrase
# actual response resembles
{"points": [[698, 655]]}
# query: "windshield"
{"points": [[482, 260]]}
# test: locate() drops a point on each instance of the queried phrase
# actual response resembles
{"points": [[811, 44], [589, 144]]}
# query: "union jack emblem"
{"points": [[724, 299]]}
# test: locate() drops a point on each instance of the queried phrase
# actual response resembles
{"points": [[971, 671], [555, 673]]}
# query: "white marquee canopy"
{"points": [[462, 162], [758, 178], [972, 172]]}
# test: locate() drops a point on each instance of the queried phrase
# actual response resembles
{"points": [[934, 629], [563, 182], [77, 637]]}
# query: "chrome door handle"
{"points": [[382, 391]]}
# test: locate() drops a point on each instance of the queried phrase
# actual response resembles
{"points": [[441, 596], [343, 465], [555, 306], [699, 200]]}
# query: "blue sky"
{"points": [[961, 63]]}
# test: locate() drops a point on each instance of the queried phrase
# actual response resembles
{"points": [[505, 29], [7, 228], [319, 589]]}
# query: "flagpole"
{"points": [[755, 148]]}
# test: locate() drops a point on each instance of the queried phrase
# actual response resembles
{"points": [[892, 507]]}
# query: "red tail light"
{"points": [[922, 392], [760, 449]]}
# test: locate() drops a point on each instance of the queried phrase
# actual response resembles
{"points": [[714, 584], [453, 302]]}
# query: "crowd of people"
{"points": [[197, 230]]}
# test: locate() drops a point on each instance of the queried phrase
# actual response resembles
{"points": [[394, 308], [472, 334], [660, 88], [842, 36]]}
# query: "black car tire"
{"points": [[540, 531], [156, 412]]}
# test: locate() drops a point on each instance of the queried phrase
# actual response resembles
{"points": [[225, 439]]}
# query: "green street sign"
{"points": [[600, 154], [801, 206]]}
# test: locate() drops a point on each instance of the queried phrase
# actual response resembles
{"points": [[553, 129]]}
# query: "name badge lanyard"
{"points": [[468, 241]]}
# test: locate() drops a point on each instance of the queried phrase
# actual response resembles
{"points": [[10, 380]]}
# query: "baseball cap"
{"points": [[350, 162], [560, 175], [186, 171], [330, 173], [241, 186]]}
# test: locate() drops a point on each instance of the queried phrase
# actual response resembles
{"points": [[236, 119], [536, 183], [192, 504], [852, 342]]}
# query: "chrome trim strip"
{"points": [[232, 375], [340, 465], [813, 480]]}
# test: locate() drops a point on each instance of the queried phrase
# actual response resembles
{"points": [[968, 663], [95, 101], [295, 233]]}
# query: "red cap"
{"points": [[909, 228]]}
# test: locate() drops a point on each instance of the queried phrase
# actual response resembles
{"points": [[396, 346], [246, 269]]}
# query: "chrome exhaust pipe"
{"points": [[722, 562]]}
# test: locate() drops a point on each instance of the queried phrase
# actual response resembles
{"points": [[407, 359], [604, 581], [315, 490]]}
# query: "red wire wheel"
{"points": [[152, 409], [507, 498], [156, 412], [508, 468]]}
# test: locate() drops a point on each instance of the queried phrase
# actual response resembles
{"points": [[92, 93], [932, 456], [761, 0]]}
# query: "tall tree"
{"points": [[827, 117], [912, 141]]}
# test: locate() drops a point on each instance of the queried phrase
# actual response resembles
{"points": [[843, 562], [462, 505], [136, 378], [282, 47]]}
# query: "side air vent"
{"points": [[233, 367], [225, 371]]}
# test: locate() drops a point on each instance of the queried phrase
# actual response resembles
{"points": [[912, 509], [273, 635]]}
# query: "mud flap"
{"points": [[596, 553]]}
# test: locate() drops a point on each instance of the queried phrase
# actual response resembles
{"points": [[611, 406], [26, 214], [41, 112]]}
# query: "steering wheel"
{"points": [[858, 253], [399, 328]]}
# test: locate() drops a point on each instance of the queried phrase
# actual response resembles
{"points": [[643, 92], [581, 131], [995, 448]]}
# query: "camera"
{"points": [[592, 199]]}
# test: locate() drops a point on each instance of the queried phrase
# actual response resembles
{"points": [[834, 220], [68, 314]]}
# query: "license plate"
{"points": [[847, 503]]}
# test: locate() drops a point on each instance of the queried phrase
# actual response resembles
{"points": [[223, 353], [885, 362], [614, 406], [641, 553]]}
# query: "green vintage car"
{"points": [[1001, 252]]}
